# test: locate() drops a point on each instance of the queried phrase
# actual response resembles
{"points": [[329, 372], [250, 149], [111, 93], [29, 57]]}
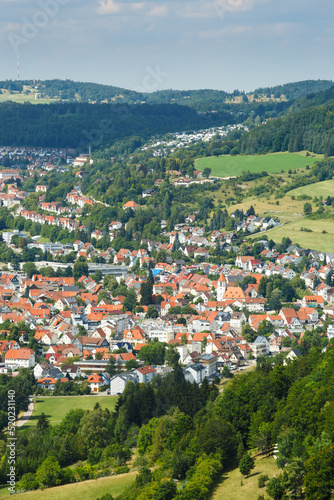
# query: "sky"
{"points": [[158, 44]]}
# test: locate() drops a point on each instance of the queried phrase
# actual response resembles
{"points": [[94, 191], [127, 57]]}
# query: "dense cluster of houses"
{"points": [[35, 156], [181, 140], [71, 320], [200, 308]]}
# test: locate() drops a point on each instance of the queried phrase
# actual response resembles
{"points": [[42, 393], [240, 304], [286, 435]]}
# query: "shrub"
{"points": [[122, 470], [247, 463], [28, 482], [261, 482]]}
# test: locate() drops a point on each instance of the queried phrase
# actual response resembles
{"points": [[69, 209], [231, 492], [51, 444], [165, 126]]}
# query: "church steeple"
{"points": [[221, 287]]}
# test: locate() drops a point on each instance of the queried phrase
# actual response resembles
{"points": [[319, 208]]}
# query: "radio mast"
{"points": [[18, 65]]}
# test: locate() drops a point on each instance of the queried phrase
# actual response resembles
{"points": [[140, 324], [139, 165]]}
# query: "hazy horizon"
{"points": [[155, 45]]}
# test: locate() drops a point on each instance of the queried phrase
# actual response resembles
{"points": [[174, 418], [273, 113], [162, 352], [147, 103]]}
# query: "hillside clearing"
{"points": [[86, 490], [315, 240], [229, 486], [227, 165], [56, 407], [287, 210], [21, 98], [324, 189]]}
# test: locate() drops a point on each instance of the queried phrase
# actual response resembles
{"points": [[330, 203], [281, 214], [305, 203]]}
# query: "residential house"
{"points": [[96, 381], [291, 356], [118, 382], [145, 374], [20, 358]]}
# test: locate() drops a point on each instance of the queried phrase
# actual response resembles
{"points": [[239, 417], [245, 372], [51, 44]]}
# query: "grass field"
{"points": [[20, 98], [56, 407], [87, 490], [287, 210], [323, 189], [229, 166], [315, 240], [229, 487]]}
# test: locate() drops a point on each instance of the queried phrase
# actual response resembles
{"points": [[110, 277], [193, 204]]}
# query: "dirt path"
{"points": [[25, 417]]}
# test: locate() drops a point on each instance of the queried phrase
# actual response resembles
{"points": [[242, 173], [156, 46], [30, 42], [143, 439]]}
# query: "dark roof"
{"points": [[197, 367]]}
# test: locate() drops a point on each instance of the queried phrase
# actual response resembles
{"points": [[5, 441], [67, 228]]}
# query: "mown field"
{"points": [[230, 487], [87, 490], [324, 189], [229, 166], [315, 240], [56, 407], [21, 98]]}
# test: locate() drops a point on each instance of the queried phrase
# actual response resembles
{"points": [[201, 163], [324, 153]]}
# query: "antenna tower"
{"points": [[18, 65]]}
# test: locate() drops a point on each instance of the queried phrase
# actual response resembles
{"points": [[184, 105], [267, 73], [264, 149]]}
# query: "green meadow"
{"points": [[86, 490], [231, 166], [320, 238], [21, 98], [56, 407], [324, 189]]}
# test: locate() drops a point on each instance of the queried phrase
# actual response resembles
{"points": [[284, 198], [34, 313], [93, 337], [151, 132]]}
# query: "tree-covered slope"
{"points": [[310, 129], [296, 90], [78, 125]]}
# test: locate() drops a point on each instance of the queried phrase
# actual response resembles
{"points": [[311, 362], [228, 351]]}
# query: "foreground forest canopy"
{"points": [[193, 434]]}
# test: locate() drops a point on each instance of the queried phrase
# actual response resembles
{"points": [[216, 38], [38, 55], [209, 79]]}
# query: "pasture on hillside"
{"points": [[287, 210], [231, 166], [86, 490], [324, 189], [56, 407], [315, 240], [229, 486]]}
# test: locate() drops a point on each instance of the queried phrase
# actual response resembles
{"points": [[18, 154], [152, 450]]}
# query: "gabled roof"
{"points": [[145, 370], [130, 204], [19, 353]]}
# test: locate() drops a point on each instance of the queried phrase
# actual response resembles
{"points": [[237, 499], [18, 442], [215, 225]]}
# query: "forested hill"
{"points": [[203, 100], [314, 99], [79, 117], [296, 90], [310, 129], [78, 125]]}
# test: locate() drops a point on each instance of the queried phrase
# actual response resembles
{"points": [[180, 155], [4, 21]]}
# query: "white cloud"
{"points": [[272, 29], [158, 11], [108, 7], [214, 8], [11, 27], [138, 6]]}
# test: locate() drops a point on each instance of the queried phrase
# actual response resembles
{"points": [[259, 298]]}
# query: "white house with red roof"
{"points": [[131, 204], [96, 382], [20, 357], [145, 374], [242, 261]]}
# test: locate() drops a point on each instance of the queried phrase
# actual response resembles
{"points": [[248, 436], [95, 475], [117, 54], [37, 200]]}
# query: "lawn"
{"points": [[87, 490], [315, 240], [323, 189], [231, 166], [229, 486], [56, 407]]}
